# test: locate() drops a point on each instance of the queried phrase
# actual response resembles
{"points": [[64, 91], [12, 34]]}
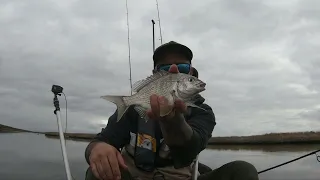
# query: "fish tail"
{"points": [[119, 102]]}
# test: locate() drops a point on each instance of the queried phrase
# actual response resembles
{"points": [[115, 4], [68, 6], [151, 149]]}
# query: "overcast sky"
{"points": [[260, 59]]}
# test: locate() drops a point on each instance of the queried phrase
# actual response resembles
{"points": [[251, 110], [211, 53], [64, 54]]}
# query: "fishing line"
{"points": [[159, 21], [65, 98], [314, 152]]}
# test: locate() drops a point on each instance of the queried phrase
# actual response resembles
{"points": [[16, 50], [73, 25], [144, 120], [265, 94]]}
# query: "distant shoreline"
{"points": [[270, 138], [265, 139], [8, 129]]}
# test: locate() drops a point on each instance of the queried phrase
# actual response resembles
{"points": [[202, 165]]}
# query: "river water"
{"points": [[32, 156]]}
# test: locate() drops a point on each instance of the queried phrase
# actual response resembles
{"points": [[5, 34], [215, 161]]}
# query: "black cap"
{"points": [[172, 46], [195, 72]]}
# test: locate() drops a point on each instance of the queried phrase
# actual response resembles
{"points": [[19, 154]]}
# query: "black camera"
{"points": [[57, 90]]}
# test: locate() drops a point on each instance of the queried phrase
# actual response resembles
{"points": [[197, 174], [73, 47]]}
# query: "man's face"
{"points": [[174, 58]]}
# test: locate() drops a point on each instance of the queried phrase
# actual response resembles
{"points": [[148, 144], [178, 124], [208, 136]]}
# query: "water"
{"points": [[32, 156], [263, 157]]}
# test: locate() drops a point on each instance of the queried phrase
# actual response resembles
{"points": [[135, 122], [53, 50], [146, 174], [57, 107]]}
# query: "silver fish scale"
{"points": [[162, 87]]}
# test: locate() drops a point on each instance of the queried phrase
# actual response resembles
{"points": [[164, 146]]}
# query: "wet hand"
{"points": [[105, 162], [159, 102]]}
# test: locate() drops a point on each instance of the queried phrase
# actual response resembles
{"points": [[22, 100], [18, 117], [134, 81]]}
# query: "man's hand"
{"points": [[174, 128], [160, 102], [105, 162]]}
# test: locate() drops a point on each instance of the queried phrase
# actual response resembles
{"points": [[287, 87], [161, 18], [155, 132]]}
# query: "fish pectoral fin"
{"points": [[193, 105], [173, 95], [166, 110]]}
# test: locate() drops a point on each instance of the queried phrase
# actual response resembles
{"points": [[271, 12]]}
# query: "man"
{"points": [[162, 148]]}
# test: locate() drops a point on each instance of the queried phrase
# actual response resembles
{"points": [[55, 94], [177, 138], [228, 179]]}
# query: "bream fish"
{"points": [[162, 83]]}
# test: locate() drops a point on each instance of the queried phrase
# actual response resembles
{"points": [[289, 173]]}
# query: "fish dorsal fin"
{"points": [[137, 86]]}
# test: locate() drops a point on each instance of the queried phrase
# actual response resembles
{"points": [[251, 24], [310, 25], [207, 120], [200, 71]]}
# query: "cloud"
{"points": [[259, 58]]}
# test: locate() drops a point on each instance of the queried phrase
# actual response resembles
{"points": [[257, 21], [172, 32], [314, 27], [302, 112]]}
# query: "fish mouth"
{"points": [[201, 86]]}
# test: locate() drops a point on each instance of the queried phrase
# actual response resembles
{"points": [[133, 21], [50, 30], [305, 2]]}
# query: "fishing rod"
{"points": [[153, 34], [311, 153], [129, 51], [57, 91]]}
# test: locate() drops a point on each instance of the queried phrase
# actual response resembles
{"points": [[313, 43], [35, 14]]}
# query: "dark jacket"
{"points": [[202, 122]]}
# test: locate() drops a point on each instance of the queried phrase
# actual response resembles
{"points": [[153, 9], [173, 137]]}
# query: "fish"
{"points": [[162, 83]]}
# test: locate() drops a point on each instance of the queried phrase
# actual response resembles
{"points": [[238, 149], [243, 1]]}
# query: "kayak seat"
{"points": [[202, 168]]}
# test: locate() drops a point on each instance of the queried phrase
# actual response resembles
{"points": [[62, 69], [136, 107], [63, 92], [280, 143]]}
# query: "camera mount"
{"points": [[57, 91]]}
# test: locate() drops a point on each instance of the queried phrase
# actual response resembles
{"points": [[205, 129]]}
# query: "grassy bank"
{"points": [[80, 136], [272, 138], [266, 148]]}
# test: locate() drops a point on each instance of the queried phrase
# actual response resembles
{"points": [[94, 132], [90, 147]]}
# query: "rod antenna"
{"points": [[129, 46], [159, 21]]}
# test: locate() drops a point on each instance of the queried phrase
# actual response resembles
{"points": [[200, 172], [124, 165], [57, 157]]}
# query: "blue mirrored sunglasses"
{"points": [[183, 68]]}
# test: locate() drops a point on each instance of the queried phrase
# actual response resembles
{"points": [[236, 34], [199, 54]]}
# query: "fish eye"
{"points": [[190, 79]]}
